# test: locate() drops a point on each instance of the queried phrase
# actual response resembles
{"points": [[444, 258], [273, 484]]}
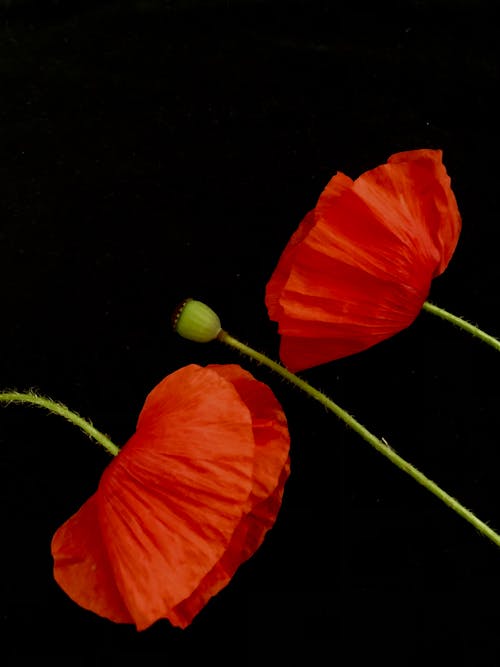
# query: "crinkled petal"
{"points": [[82, 568], [272, 441], [171, 501], [338, 184], [280, 276], [432, 199], [271, 470]]}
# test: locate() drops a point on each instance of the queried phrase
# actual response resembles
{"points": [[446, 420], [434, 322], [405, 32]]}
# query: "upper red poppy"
{"points": [[184, 503], [359, 267]]}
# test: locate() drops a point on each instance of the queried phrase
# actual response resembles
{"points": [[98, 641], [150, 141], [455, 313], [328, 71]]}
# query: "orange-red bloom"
{"points": [[185, 502], [359, 267]]}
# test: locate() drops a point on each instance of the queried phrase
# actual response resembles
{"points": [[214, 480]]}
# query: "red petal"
{"points": [[272, 441], [278, 280], [271, 470], [434, 202], [82, 568], [282, 271], [170, 502]]}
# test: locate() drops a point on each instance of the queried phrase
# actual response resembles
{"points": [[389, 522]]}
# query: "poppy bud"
{"points": [[196, 321]]}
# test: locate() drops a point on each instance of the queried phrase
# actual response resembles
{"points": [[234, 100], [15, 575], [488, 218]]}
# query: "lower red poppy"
{"points": [[185, 502]]}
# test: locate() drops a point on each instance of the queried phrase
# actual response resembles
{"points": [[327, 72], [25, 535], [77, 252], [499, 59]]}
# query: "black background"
{"points": [[156, 150]]}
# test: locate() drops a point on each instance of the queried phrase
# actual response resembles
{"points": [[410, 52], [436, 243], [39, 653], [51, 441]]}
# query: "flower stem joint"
{"points": [[196, 321]]}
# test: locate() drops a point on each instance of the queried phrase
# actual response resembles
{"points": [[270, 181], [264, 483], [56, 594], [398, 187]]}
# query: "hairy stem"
{"points": [[59, 409], [463, 324], [377, 443]]}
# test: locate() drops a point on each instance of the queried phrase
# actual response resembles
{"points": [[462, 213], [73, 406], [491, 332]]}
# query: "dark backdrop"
{"points": [[154, 150]]}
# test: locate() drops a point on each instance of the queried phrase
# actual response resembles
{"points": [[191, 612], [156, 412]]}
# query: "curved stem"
{"points": [[61, 410], [463, 324], [377, 443]]}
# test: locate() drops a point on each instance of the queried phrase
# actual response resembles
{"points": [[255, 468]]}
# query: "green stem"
{"points": [[463, 324], [378, 444], [61, 410]]}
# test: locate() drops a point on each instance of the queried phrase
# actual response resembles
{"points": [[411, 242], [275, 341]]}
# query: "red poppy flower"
{"points": [[184, 503], [359, 267]]}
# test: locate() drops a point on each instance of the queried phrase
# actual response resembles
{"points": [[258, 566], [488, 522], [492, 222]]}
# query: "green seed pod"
{"points": [[196, 321]]}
